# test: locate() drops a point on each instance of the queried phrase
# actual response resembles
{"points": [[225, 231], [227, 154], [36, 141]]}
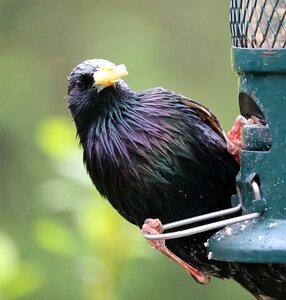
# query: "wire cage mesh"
{"points": [[258, 23]]}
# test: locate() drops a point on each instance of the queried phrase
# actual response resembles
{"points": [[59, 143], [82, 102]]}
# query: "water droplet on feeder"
{"points": [[272, 224], [242, 226]]}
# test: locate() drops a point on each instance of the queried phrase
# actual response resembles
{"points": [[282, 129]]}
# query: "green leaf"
{"points": [[55, 238], [56, 136], [28, 279], [9, 258]]}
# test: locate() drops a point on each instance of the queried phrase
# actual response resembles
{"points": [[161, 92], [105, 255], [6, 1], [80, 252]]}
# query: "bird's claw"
{"points": [[154, 226], [234, 136]]}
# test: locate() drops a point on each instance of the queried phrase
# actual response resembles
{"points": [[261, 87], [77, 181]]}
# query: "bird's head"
{"points": [[90, 78], [92, 85]]}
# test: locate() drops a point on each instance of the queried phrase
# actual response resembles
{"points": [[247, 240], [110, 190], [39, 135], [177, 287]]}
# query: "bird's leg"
{"points": [[234, 135], [154, 226]]}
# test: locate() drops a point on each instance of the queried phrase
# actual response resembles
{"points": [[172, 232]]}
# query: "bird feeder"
{"points": [[258, 31], [258, 234]]}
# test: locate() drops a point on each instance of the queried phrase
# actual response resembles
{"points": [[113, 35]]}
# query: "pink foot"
{"points": [[154, 226], [234, 135]]}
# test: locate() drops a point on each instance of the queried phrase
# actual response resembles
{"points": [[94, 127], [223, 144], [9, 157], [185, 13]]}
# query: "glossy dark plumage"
{"points": [[155, 154]]}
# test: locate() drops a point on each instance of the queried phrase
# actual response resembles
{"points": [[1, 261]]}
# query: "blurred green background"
{"points": [[58, 238]]}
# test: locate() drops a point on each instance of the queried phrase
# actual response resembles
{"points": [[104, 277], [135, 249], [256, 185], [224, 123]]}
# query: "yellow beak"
{"points": [[109, 74]]}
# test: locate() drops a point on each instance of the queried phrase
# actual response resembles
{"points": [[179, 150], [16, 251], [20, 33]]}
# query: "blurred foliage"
{"points": [[94, 238], [59, 239]]}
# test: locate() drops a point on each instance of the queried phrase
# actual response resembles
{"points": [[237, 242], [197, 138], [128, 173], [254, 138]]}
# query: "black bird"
{"points": [[156, 154]]}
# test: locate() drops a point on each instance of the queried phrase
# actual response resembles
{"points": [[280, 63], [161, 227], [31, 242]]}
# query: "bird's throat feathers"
{"points": [[97, 112]]}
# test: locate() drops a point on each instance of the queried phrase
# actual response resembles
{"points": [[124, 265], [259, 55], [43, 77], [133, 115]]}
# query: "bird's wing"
{"points": [[206, 115]]}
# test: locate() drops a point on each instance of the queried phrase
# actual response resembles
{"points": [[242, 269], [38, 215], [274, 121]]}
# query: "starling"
{"points": [[161, 157]]}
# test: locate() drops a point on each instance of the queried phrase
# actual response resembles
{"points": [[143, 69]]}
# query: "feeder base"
{"points": [[255, 241]]}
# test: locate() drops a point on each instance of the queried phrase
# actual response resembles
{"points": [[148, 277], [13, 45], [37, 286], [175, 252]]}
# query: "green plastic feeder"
{"points": [[258, 235], [258, 31]]}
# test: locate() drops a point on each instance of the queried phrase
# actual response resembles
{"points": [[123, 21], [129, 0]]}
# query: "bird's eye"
{"points": [[80, 85]]}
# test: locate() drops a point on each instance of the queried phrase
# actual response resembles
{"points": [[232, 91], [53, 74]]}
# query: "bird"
{"points": [[158, 157]]}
